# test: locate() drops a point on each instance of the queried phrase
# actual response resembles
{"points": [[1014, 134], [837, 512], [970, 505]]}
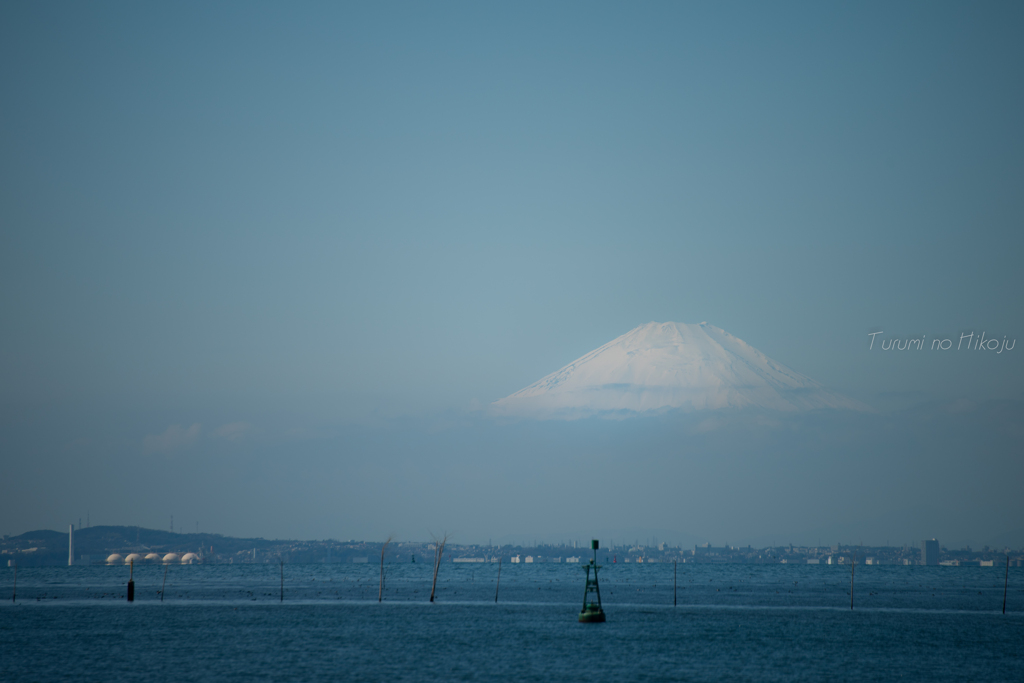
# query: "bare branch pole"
{"points": [[380, 591], [438, 554]]}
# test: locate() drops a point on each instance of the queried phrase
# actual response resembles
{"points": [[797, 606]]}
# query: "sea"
{"points": [[665, 622]]}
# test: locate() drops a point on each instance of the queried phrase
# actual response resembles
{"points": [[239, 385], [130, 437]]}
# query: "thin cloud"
{"points": [[232, 431], [173, 438]]}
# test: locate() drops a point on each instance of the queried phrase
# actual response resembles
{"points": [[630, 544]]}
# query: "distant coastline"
{"points": [[93, 545]]}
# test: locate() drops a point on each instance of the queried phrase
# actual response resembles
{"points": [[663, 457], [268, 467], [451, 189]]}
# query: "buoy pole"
{"points": [[675, 601], [282, 579], [498, 585], [1006, 581], [131, 581], [167, 566], [592, 613], [14, 595]]}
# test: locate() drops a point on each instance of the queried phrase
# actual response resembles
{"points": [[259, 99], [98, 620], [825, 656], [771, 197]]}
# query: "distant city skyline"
{"points": [[117, 545]]}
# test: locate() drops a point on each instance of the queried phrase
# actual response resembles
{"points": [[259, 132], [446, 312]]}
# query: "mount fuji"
{"points": [[670, 366]]}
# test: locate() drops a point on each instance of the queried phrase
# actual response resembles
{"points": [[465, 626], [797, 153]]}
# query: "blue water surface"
{"points": [[730, 622]]}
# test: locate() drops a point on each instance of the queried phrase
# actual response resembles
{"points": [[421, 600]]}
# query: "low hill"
{"points": [[46, 547]]}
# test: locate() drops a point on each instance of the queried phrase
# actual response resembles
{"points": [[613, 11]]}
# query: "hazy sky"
{"points": [[251, 225]]}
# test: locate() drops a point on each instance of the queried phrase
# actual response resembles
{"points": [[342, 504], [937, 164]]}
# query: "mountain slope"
{"points": [[664, 366]]}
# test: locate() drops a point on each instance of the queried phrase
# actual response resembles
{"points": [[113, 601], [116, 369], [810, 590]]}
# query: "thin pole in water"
{"points": [[380, 591], [14, 595], [131, 582], [1006, 581], [282, 579], [853, 570], [498, 585], [163, 586], [675, 601]]}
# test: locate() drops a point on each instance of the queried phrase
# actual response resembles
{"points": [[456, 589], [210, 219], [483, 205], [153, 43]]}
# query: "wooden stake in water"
{"points": [[675, 601], [282, 579], [498, 585], [1006, 581], [853, 570], [131, 582], [14, 595], [164, 584]]}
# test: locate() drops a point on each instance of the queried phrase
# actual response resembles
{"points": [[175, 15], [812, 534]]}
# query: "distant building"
{"points": [[708, 549], [930, 553]]}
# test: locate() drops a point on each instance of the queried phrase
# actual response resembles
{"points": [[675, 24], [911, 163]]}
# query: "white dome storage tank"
{"points": [[152, 557], [134, 557], [171, 557], [115, 559], [189, 558]]}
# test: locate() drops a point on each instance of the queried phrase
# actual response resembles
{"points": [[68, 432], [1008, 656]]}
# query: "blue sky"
{"points": [[297, 217]]}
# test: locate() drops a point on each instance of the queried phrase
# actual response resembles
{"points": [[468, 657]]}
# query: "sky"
{"points": [[256, 252]]}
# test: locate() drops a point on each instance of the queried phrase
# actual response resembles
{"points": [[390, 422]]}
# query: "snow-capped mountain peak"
{"points": [[664, 366]]}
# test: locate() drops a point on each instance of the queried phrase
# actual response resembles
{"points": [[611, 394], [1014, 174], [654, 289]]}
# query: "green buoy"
{"points": [[592, 612]]}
